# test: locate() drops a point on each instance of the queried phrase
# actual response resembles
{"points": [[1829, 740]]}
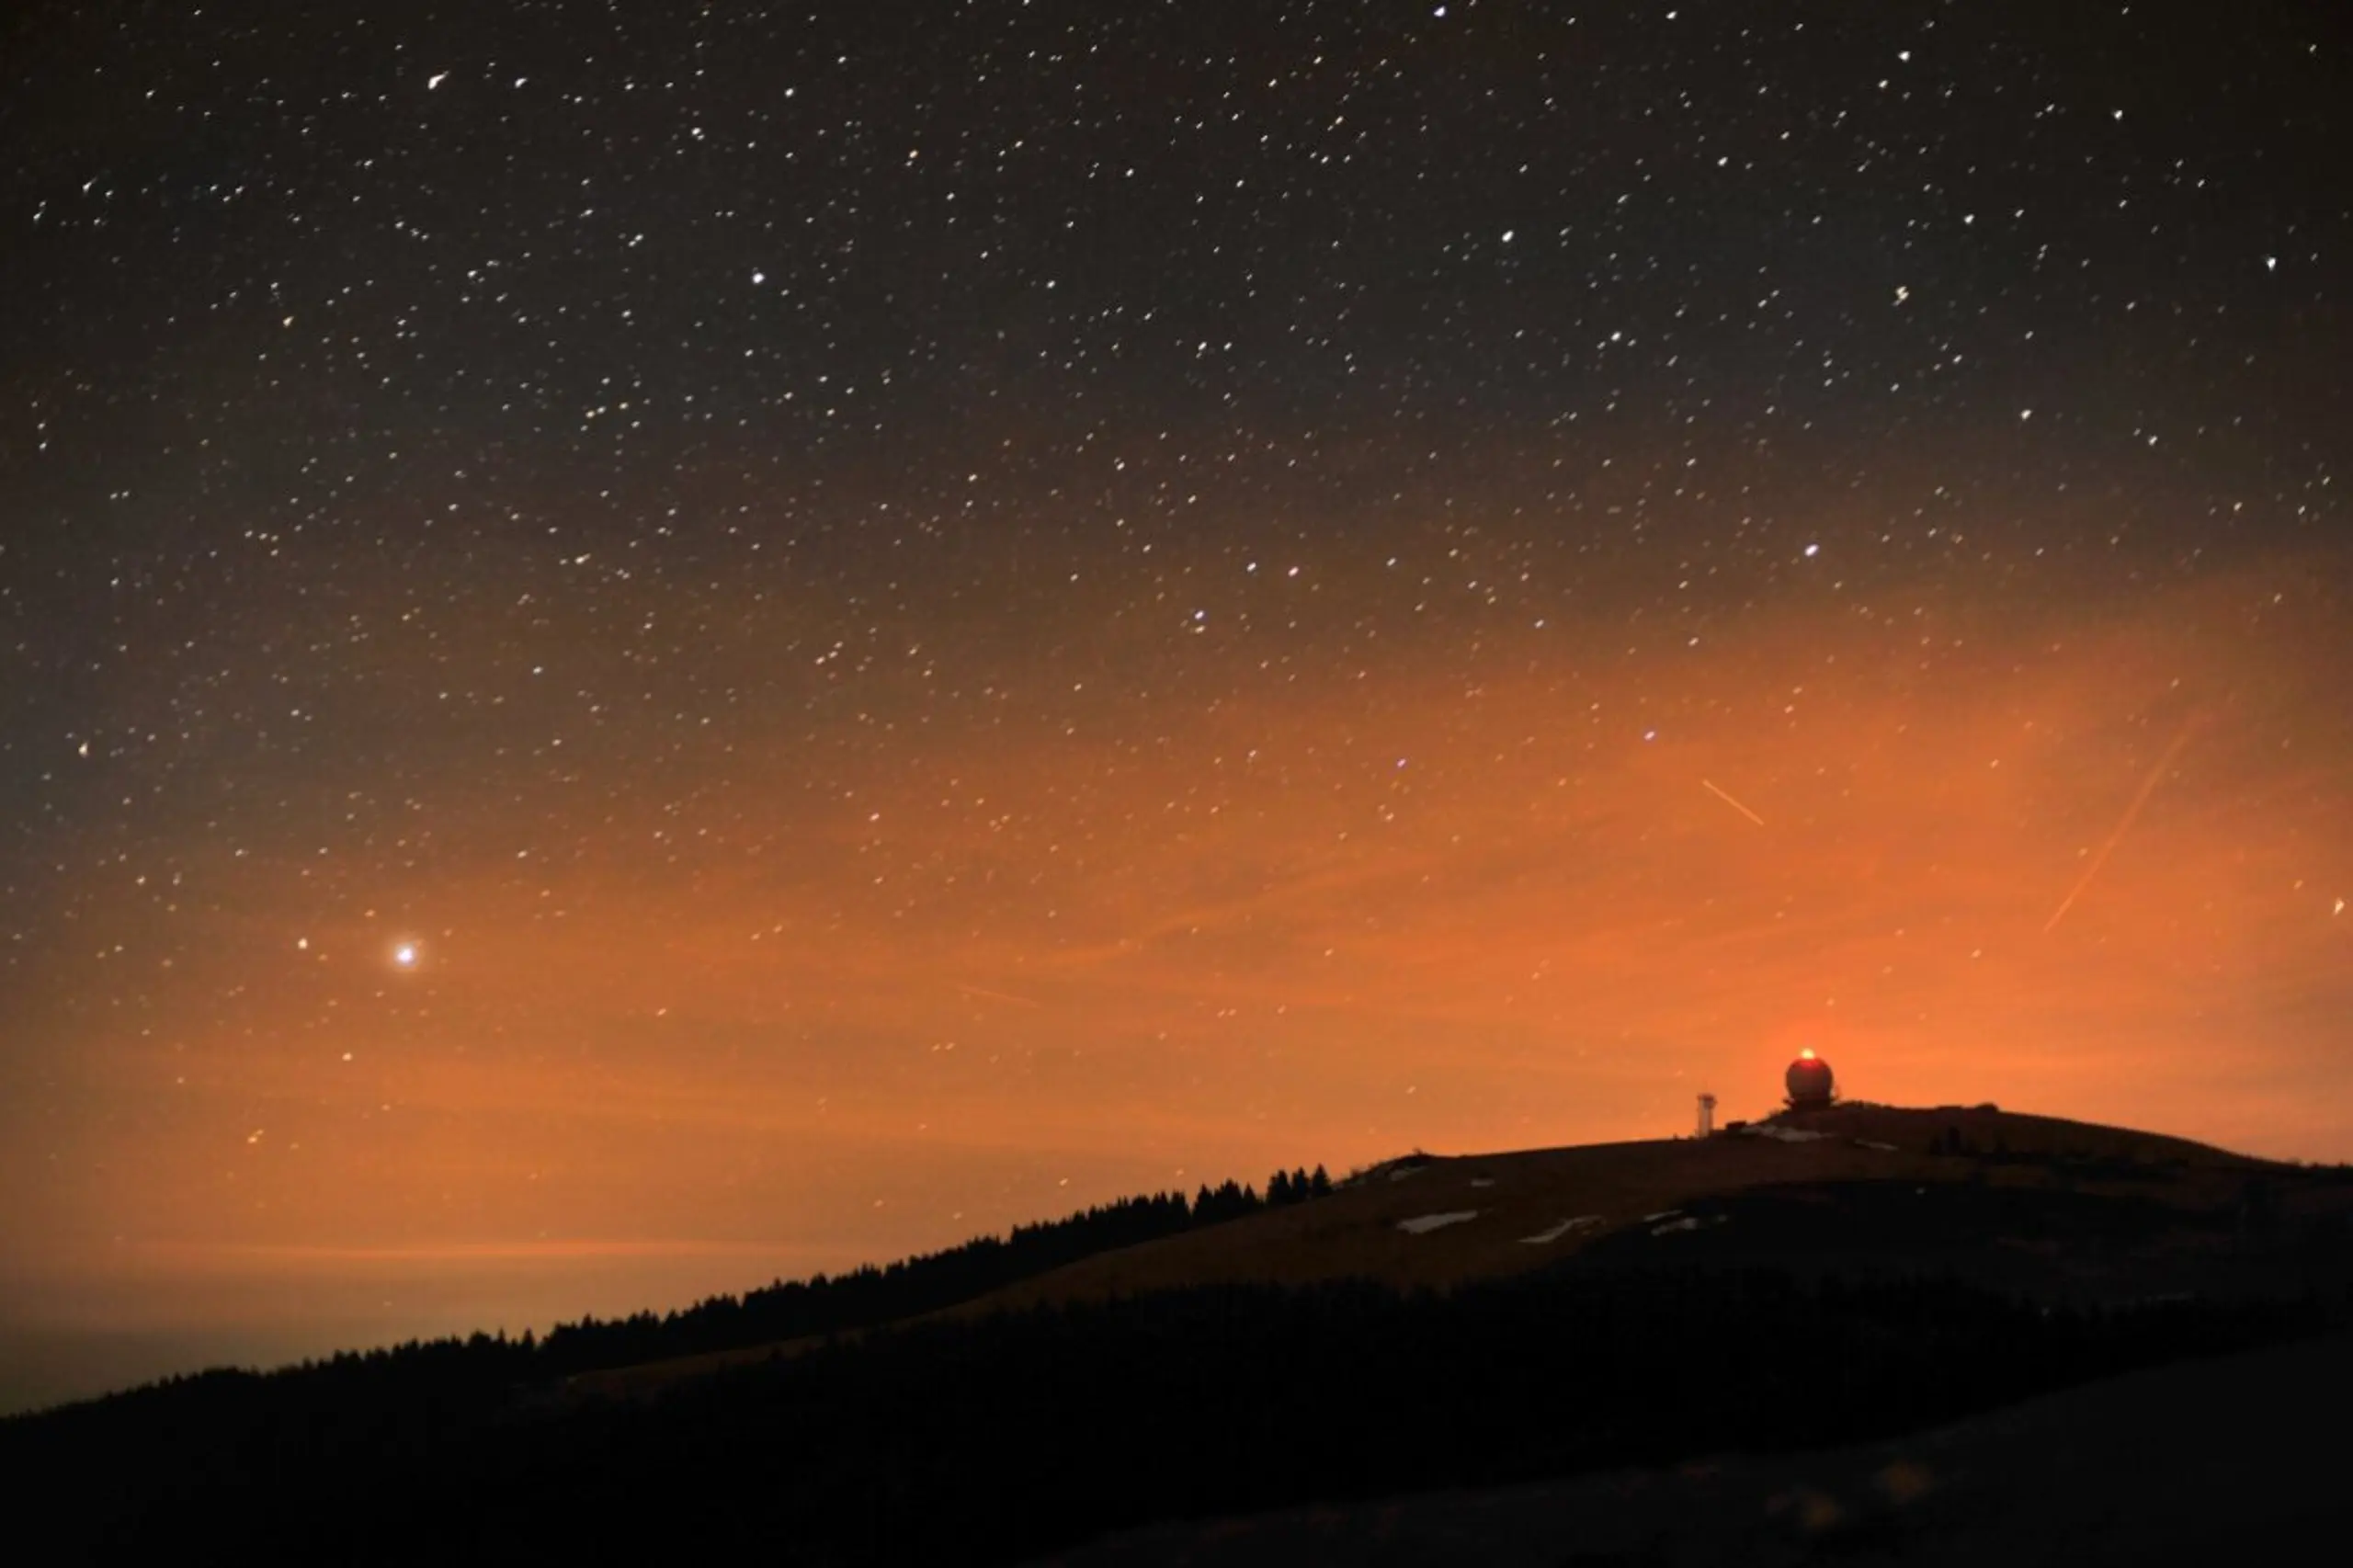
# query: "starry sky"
{"points": [[648, 645]]}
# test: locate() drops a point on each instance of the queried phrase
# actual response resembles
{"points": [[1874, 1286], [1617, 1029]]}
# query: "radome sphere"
{"points": [[1810, 1082]]}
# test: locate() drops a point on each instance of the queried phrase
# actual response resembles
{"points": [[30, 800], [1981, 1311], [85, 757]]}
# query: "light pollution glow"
{"points": [[1455, 904]]}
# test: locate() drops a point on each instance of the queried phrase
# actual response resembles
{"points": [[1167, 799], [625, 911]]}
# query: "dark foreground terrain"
{"points": [[2239, 1459], [1417, 1368]]}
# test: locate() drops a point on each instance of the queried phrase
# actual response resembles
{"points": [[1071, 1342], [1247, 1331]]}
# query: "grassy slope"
{"points": [[1353, 1233]]}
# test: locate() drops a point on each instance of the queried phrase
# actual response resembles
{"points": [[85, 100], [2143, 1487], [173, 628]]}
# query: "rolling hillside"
{"points": [[1440, 1221], [1428, 1221], [1850, 1275]]}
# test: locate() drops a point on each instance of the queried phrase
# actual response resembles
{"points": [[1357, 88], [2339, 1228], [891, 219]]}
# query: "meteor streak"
{"points": [[1728, 801], [2148, 787], [998, 995]]}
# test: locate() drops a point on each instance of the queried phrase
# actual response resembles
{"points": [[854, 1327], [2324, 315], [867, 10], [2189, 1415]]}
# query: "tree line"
{"points": [[912, 1287], [995, 1438], [439, 1377]]}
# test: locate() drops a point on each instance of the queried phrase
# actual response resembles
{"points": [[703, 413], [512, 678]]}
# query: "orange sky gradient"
{"points": [[698, 1028]]}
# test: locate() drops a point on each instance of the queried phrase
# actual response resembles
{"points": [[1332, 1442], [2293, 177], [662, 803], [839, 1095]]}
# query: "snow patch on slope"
{"points": [[1582, 1223], [1689, 1222], [1421, 1225]]}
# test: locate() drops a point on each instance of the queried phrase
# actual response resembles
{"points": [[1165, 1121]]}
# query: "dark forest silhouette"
{"points": [[992, 1439], [784, 1310], [863, 1297], [987, 1438]]}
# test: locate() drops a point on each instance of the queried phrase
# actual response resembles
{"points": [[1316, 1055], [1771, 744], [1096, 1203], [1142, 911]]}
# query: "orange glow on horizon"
{"points": [[1002, 976]]}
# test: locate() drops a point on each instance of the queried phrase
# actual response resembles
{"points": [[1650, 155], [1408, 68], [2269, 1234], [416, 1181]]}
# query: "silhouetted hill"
{"points": [[1533, 1209], [1850, 1275], [1440, 1222]]}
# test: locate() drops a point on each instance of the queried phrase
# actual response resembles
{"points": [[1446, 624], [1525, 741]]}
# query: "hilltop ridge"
{"points": [[1425, 1220], [1845, 1274], [1513, 1203]]}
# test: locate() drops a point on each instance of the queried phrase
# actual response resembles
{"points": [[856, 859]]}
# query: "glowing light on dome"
{"points": [[1810, 1084]]}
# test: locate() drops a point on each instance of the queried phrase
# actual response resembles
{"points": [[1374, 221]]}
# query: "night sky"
{"points": [[646, 646]]}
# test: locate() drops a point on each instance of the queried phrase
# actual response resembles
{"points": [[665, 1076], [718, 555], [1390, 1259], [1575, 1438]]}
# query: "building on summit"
{"points": [[1811, 1085]]}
